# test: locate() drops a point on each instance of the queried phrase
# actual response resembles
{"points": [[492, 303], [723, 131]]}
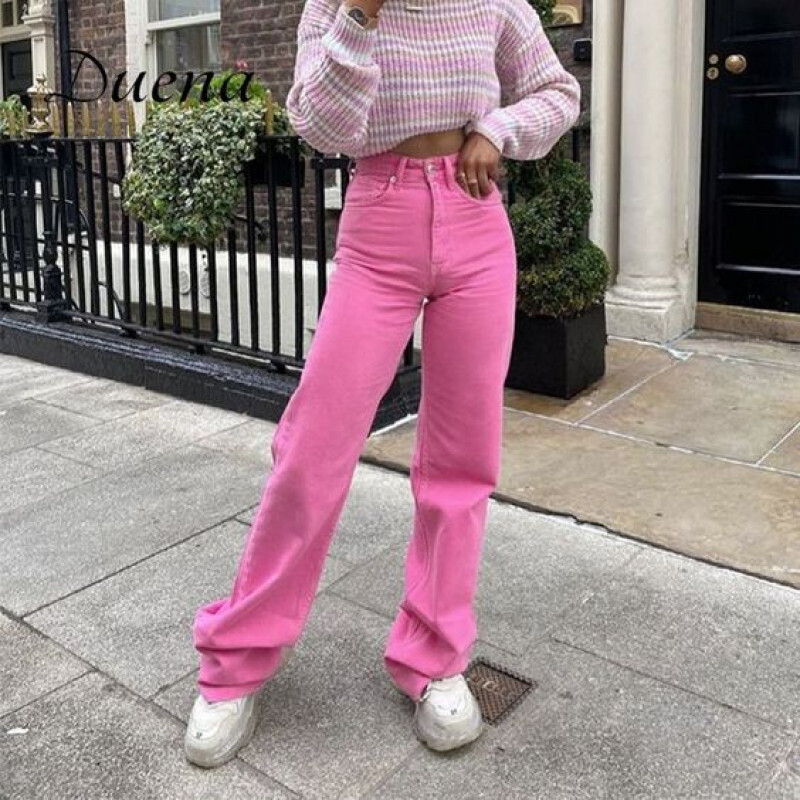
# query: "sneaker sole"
{"points": [[444, 743]]}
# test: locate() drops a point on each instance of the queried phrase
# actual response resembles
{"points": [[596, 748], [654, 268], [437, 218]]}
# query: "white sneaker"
{"points": [[217, 730], [447, 715]]}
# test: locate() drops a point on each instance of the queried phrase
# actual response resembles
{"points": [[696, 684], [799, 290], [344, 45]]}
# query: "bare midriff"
{"points": [[425, 145]]}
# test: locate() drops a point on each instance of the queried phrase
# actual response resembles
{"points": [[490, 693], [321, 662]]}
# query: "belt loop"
{"points": [[450, 170], [400, 168]]}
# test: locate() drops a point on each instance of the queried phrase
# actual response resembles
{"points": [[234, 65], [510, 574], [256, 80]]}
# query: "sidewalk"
{"points": [[657, 676], [694, 447]]}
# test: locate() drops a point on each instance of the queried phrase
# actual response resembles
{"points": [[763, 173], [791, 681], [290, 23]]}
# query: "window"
{"points": [[184, 37], [11, 12]]}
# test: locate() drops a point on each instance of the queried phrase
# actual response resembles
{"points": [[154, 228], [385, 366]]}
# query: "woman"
{"points": [[411, 90]]}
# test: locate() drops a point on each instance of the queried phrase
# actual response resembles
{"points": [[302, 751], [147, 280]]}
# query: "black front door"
{"points": [[750, 198], [17, 69]]}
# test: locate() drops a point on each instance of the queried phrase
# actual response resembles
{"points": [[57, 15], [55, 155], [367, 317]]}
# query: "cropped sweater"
{"points": [[486, 65]]}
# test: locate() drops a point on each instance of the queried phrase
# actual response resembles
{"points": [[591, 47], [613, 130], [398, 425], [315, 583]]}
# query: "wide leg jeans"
{"points": [[410, 241]]}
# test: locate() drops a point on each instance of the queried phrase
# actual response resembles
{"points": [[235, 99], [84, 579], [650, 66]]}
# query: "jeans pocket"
{"points": [[366, 190], [495, 196]]}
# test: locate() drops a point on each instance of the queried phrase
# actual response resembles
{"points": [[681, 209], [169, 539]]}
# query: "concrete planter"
{"points": [[558, 357]]}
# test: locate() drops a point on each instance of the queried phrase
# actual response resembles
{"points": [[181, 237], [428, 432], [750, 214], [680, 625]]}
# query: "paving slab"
{"points": [[786, 456], [32, 475], [149, 609], [628, 364], [712, 631], [21, 379], [784, 784], [332, 723], [31, 665], [106, 399], [729, 345], [534, 570], [597, 730], [734, 409], [94, 738], [118, 443], [104, 525], [728, 513], [30, 422], [250, 440]]}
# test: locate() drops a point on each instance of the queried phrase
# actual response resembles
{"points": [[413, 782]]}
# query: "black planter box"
{"points": [[256, 169], [558, 357]]}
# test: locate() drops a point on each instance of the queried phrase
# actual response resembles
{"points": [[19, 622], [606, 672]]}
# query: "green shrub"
{"points": [[555, 209], [566, 286], [544, 8], [256, 91], [185, 181], [560, 272]]}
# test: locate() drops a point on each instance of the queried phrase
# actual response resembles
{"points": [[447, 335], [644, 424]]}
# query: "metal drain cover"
{"points": [[497, 689]]}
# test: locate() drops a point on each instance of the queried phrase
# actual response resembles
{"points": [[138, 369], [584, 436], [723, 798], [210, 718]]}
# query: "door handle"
{"points": [[736, 64]]}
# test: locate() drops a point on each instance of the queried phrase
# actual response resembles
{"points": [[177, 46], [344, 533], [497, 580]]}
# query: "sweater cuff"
{"points": [[491, 127], [350, 41]]}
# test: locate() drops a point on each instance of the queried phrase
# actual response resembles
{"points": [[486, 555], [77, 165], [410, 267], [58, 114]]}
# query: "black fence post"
{"points": [[53, 304]]}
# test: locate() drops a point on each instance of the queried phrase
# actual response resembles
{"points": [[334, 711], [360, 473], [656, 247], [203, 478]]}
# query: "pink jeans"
{"points": [[407, 233]]}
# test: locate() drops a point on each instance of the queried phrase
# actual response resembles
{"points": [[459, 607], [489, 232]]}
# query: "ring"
{"points": [[462, 174], [474, 180]]}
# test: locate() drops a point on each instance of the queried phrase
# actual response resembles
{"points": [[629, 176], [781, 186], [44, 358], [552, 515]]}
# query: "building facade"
{"points": [[693, 108]]}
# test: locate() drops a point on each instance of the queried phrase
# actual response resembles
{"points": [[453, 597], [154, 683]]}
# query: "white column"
{"points": [[605, 116], [644, 301], [136, 52], [41, 22]]}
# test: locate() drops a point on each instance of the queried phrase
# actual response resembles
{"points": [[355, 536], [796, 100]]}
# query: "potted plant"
{"points": [[184, 181], [560, 328], [272, 151]]}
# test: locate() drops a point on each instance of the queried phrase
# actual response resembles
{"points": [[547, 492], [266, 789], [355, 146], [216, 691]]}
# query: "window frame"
{"points": [[153, 27]]}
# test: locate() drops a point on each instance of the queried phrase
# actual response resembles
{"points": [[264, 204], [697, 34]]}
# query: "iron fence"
{"points": [[69, 250], [70, 253]]}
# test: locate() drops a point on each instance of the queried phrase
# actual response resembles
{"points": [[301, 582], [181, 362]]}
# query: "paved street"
{"points": [[657, 676], [694, 446]]}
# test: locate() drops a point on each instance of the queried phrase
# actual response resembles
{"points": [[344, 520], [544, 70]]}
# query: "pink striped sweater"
{"points": [[486, 65]]}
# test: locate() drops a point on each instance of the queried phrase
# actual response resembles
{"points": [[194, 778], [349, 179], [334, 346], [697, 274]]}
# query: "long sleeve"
{"points": [[543, 97], [336, 78]]}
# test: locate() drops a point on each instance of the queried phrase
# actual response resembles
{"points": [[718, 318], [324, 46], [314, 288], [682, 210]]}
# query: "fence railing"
{"points": [[68, 249]]}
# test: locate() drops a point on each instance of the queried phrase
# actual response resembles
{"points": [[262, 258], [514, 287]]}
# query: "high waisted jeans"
{"points": [[409, 236]]}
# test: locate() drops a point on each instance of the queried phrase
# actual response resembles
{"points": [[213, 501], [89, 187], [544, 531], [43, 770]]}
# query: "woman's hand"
{"points": [[478, 165]]}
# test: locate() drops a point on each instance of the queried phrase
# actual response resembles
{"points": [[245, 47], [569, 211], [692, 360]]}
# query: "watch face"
{"points": [[358, 15]]}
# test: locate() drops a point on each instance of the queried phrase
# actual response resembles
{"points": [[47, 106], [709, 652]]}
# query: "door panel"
{"points": [[760, 134], [763, 16], [750, 209]]}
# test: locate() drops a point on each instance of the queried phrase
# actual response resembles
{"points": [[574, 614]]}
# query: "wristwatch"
{"points": [[360, 16]]}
